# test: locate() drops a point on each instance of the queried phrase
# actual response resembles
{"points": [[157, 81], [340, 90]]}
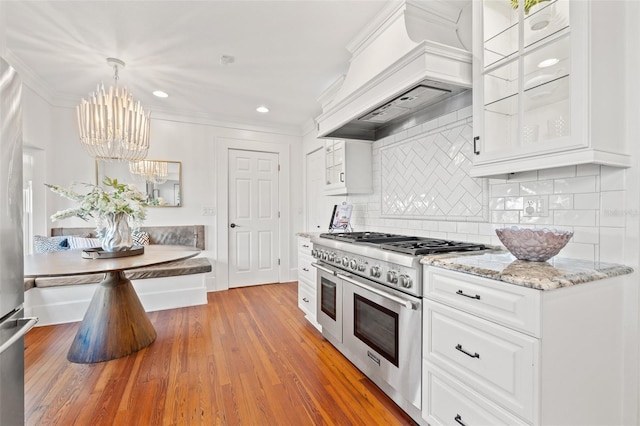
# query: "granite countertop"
{"points": [[306, 234], [555, 273]]}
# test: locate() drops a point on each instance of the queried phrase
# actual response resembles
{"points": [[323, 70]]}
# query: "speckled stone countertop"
{"points": [[555, 273], [305, 234]]}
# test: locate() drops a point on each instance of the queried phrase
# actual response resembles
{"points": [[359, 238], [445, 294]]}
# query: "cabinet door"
{"points": [[334, 164], [525, 79]]}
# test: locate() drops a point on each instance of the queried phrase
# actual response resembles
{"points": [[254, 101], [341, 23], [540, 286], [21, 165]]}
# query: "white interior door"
{"points": [[253, 218]]}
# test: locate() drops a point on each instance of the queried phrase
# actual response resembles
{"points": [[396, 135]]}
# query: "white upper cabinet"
{"points": [[548, 85], [347, 167]]}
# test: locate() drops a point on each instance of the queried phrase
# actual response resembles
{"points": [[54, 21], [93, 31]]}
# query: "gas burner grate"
{"points": [[422, 246], [367, 237]]}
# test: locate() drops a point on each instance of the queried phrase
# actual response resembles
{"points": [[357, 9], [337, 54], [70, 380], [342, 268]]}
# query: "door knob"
{"points": [[233, 225]]}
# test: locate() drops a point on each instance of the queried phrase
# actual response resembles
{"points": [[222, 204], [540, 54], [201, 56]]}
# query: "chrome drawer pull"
{"points": [[305, 246], [461, 293], [474, 355], [305, 269], [458, 419]]}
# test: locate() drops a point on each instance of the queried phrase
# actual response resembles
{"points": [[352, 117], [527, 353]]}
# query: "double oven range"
{"points": [[370, 305]]}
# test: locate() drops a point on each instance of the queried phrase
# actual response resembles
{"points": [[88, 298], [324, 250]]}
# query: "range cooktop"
{"points": [[430, 246], [367, 237]]}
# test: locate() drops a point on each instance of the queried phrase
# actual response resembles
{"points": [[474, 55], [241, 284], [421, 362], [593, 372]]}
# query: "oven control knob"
{"points": [[362, 267], [353, 264], [392, 277], [375, 271], [314, 252], [405, 281], [332, 256], [345, 261], [324, 255]]}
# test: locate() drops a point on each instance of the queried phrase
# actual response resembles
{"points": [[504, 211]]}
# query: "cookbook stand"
{"points": [[341, 218]]}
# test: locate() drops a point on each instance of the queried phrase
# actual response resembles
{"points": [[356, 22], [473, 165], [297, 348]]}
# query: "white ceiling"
{"points": [[286, 52]]}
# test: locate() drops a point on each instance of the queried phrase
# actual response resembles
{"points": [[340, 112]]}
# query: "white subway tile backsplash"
{"points": [[468, 228], [586, 201], [496, 203], [511, 216], [536, 220], [575, 217], [579, 251], [513, 203], [505, 189], [488, 229], [540, 187], [610, 248], [575, 185], [561, 202], [447, 227], [585, 234], [612, 178], [613, 212]]}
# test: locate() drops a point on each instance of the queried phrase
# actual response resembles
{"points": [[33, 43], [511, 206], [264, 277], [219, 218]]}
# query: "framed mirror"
{"points": [[159, 179]]}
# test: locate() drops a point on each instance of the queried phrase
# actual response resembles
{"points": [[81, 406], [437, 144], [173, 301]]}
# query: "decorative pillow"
{"points": [[82, 242], [140, 238], [48, 244]]}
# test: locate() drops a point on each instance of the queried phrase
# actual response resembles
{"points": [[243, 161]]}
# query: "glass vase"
{"points": [[116, 235]]}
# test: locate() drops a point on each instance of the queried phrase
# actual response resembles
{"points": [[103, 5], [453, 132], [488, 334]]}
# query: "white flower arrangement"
{"points": [[100, 202]]}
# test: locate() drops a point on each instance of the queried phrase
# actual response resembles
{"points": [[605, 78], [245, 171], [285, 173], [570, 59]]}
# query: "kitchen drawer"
{"points": [[305, 270], [496, 361], [447, 402], [515, 306], [307, 299], [304, 245]]}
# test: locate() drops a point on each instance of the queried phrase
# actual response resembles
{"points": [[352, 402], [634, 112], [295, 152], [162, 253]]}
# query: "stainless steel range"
{"points": [[370, 305]]}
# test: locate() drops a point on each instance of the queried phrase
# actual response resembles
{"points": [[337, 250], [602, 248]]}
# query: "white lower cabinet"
{"points": [[448, 402], [307, 281], [497, 353]]}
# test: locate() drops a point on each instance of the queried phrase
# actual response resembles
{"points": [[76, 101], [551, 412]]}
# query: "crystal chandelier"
{"points": [[151, 171], [112, 125]]}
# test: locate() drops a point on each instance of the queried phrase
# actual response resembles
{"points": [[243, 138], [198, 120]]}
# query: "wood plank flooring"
{"points": [[248, 357]]}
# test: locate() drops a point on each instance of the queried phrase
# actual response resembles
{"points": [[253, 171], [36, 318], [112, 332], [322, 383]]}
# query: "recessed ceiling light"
{"points": [[263, 109], [548, 63], [161, 94]]}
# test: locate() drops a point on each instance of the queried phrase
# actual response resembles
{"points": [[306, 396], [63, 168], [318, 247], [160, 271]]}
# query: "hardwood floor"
{"points": [[248, 357]]}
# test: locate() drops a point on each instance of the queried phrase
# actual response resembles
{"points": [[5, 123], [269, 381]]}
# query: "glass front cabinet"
{"points": [[347, 167], [548, 79]]}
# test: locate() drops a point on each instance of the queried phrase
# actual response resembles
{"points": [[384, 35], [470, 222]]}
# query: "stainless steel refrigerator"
{"points": [[13, 325]]}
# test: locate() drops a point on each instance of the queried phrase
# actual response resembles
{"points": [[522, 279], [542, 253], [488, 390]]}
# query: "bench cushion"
{"points": [[194, 265]]}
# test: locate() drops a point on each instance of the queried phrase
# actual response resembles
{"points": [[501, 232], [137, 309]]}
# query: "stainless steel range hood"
{"points": [[410, 66]]}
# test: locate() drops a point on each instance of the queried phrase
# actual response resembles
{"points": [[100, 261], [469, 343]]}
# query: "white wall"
{"points": [[53, 129]]}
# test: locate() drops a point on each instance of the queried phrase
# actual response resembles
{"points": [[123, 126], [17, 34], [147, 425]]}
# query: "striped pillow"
{"points": [[81, 242]]}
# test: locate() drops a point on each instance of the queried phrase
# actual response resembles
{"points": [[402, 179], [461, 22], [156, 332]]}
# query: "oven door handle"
{"points": [[322, 268], [399, 300]]}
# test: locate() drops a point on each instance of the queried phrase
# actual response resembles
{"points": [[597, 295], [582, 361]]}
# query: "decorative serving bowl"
{"points": [[537, 245]]}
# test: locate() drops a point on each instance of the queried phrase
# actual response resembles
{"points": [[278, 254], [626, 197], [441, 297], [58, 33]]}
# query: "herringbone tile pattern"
{"points": [[428, 177]]}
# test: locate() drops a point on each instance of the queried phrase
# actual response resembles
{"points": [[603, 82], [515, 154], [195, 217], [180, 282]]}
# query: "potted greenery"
{"points": [[528, 4]]}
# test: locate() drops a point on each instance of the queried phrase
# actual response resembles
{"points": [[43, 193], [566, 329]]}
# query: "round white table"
{"points": [[115, 324]]}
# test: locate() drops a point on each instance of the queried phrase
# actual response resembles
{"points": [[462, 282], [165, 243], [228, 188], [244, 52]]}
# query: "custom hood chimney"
{"points": [[412, 64]]}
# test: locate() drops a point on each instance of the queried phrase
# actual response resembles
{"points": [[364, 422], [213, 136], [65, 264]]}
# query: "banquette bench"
{"points": [[169, 285]]}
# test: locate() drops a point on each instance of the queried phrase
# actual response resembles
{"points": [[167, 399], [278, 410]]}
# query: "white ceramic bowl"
{"points": [[537, 245]]}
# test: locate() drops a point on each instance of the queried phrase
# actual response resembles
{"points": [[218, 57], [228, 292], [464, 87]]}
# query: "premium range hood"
{"points": [[410, 66]]}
